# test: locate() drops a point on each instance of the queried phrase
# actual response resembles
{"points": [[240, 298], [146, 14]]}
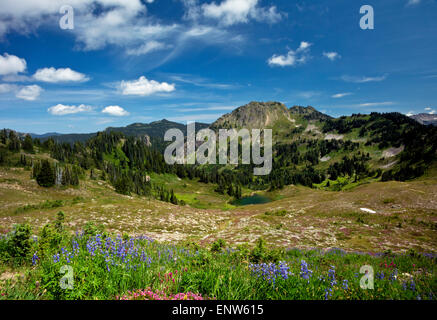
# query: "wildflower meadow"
{"points": [[93, 264]]}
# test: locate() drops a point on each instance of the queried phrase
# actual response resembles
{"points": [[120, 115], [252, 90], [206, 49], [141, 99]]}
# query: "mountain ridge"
{"points": [[270, 114]]}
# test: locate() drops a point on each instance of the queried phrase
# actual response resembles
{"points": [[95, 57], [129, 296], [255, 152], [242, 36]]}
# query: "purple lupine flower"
{"points": [[345, 284], [304, 271], [35, 258]]}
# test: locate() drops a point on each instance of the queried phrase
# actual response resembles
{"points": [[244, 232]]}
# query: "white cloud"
{"points": [[144, 87], [304, 45], [10, 64], [192, 10], [341, 95], [115, 111], [53, 75], [373, 104], [293, 57], [147, 48], [24, 15], [60, 109], [430, 110], [230, 12], [413, 2], [4, 87], [29, 93], [410, 113], [125, 24], [118, 22], [199, 81], [355, 79], [331, 55]]}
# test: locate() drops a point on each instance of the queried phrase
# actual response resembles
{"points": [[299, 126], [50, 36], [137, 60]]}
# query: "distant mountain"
{"points": [[154, 129], [253, 115], [152, 132], [267, 115], [69, 137], [45, 135], [425, 118]]}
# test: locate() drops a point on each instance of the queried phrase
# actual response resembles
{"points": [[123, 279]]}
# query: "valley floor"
{"points": [[405, 213]]}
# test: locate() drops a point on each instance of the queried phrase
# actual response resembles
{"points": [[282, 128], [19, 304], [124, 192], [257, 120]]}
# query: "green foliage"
{"points": [[46, 176], [15, 246], [49, 239], [388, 200], [224, 274], [277, 213], [28, 144], [123, 185], [13, 142], [260, 253], [48, 204], [91, 229], [218, 246], [60, 217]]}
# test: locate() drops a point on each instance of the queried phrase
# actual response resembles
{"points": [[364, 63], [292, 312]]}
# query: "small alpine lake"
{"points": [[253, 199]]}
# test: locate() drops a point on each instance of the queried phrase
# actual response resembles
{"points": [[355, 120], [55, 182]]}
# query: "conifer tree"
{"points": [[46, 176], [28, 144]]}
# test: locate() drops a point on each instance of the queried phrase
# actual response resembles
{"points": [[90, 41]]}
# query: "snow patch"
{"points": [[367, 210]]}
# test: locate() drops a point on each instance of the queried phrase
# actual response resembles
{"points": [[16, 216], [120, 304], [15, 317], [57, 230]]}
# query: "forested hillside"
{"points": [[310, 149]]}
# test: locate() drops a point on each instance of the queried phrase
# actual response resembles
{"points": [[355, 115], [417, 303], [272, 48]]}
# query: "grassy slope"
{"points": [[405, 218]]}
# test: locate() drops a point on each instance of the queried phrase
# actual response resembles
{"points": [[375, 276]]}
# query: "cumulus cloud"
{"points": [[144, 87], [61, 109], [148, 47], [29, 93], [115, 111], [53, 75], [355, 79], [24, 15], [341, 95], [230, 12], [293, 57], [332, 55], [10, 64], [118, 22]]}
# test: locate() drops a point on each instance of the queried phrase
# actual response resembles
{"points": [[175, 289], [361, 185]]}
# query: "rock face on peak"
{"points": [[426, 118], [308, 113], [265, 115], [253, 115]]}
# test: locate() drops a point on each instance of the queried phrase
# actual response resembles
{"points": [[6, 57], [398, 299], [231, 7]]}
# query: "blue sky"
{"points": [[144, 60]]}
